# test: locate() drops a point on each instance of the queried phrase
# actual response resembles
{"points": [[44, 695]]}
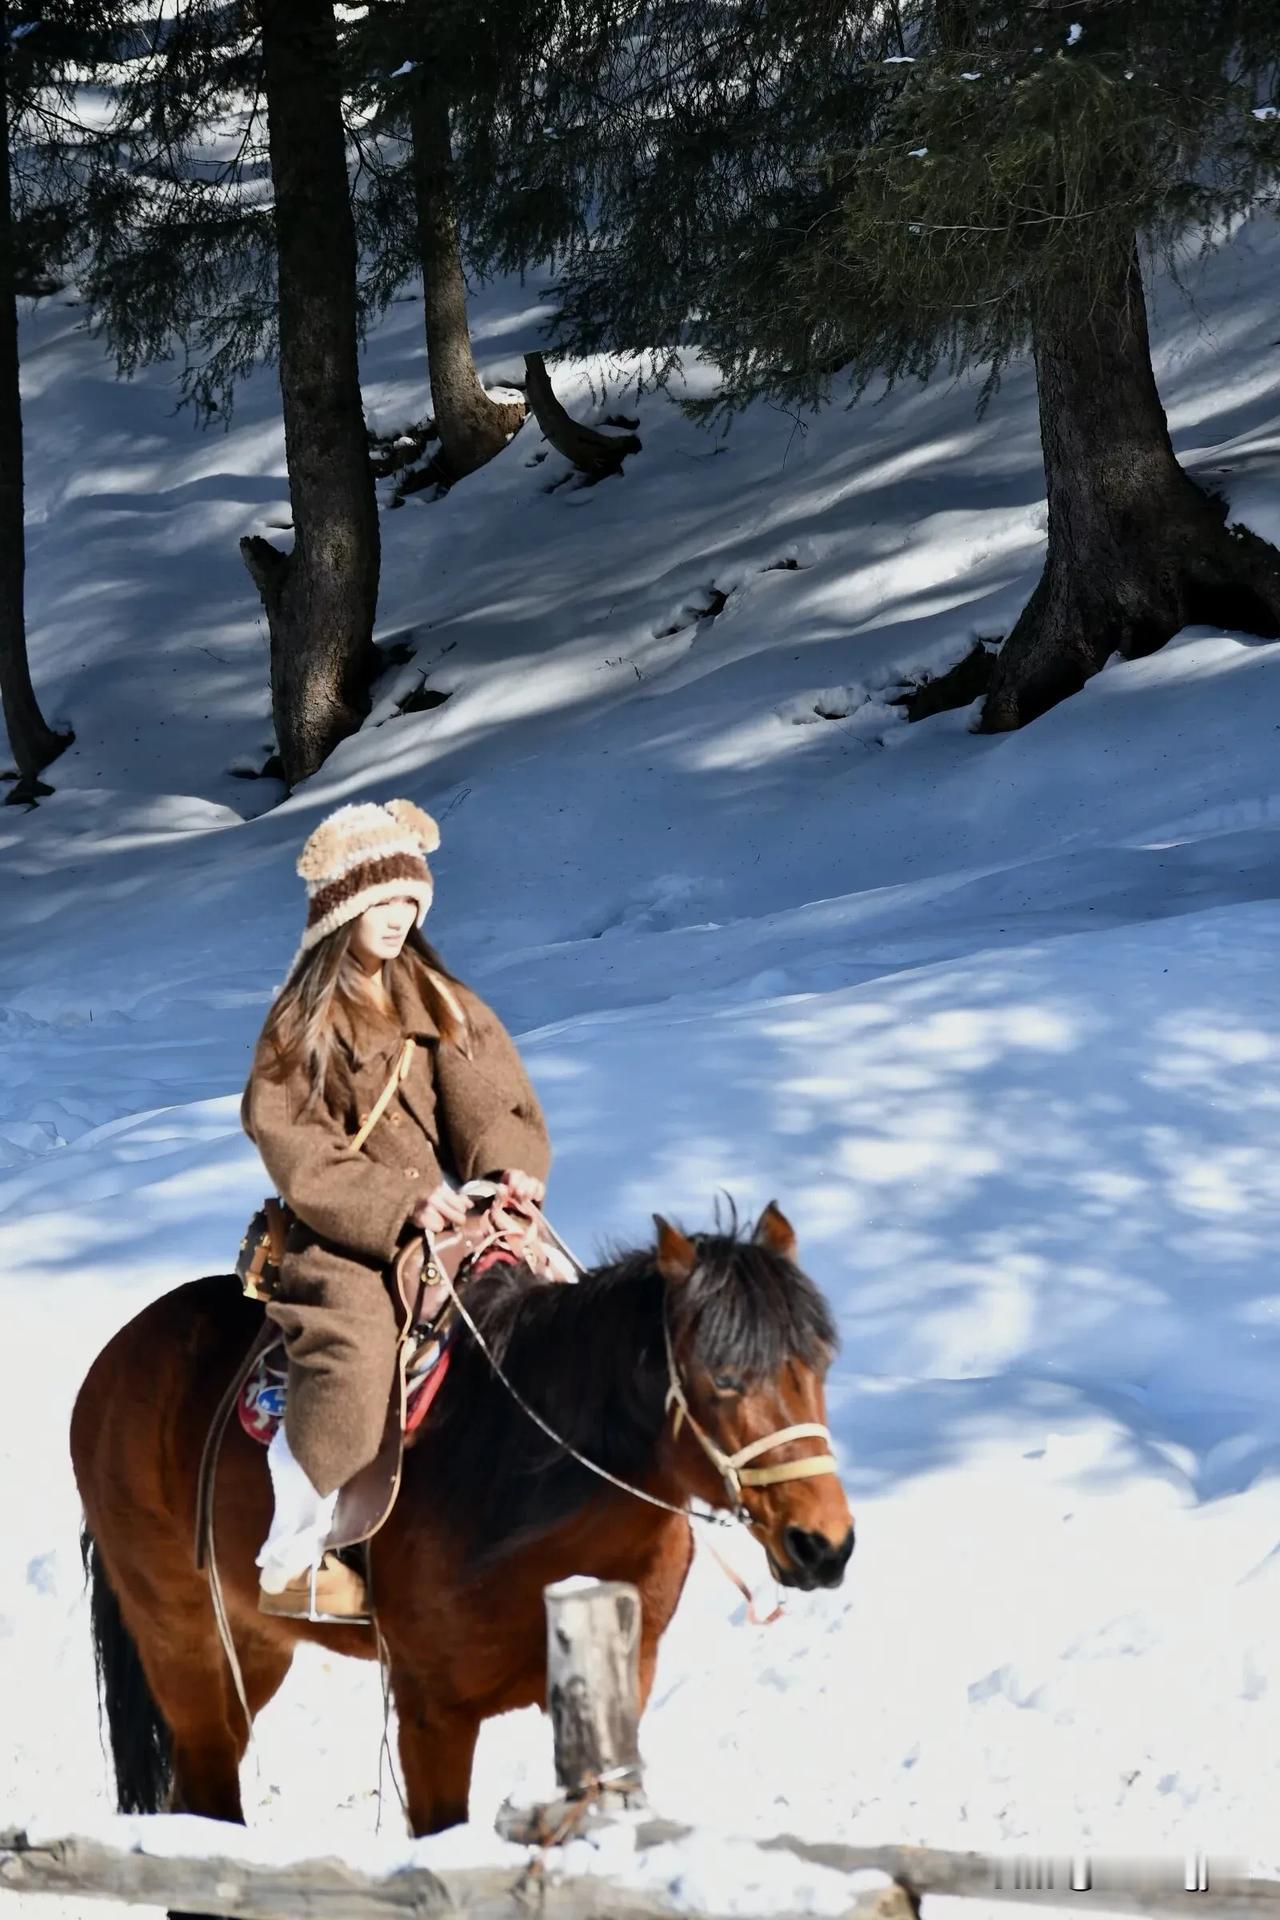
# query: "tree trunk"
{"points": [[472, 427], [594, 453], [32, 741], [1136, 549], [321, 598]]}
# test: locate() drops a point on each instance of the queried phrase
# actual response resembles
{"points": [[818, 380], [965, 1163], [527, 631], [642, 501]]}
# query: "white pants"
{"points": [[301, 1521]]}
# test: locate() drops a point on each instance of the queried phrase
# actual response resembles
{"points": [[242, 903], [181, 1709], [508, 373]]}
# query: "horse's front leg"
{"points": [[661, 1584], [437, 1747]]}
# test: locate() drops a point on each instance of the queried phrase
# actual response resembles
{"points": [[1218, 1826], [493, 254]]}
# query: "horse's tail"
{"points": [[141, 1751]]}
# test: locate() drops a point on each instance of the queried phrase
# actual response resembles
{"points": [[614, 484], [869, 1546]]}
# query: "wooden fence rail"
{"points": [[335, 1890], [593, 1698]]}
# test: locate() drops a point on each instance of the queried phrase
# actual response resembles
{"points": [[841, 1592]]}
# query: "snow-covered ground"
{"points": [[997, 1021]]}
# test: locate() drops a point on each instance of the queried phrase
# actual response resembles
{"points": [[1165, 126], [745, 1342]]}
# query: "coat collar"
{"points": [[416, 1018], [368, 1038]]}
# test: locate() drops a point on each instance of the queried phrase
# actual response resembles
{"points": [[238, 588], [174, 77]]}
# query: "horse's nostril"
{"points": [[808, 1550], [814, 1555]]}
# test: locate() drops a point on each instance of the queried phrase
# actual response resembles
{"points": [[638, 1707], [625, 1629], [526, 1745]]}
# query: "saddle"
{"points": [[426, 1273]]}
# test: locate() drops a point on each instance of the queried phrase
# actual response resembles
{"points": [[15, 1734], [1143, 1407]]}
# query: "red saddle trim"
{"points": [[419, 1405]]}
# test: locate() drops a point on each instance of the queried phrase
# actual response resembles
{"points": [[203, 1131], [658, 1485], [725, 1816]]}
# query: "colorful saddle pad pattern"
{"points": [[262, 1400]]}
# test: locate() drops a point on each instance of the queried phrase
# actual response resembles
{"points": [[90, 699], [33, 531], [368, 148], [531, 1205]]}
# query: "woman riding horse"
{"points": [[574, 1429], [378, 1081]]}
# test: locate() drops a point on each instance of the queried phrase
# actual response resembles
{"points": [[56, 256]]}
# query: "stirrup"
{"points": [[311, 1596]]}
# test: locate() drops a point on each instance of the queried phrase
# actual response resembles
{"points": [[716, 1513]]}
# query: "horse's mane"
{"points": [[591, 1359]]}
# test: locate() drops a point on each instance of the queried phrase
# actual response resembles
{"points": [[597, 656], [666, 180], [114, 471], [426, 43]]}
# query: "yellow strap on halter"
{"points": [[732, 1467], [808, 1430], [788, 1470]]}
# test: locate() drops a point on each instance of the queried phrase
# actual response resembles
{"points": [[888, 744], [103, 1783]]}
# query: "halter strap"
{"points": [[788, 1469], [808, 1430], [732, 1467]]}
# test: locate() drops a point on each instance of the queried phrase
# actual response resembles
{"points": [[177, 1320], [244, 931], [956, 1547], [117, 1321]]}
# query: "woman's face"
{"points": [[381, 931]]}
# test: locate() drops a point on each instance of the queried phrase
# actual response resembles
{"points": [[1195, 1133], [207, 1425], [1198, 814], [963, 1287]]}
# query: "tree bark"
{"points": [[594, 453], [472, 427], [32, 741], [1136, 549], [321, 598]]}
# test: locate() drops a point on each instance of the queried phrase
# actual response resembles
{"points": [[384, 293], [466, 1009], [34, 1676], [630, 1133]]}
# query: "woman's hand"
{"points": [[441, 1209], [520, 1187]]}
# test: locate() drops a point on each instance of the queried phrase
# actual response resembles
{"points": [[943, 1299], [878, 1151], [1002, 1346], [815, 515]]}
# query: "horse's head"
{"points": [[750, 1339]]}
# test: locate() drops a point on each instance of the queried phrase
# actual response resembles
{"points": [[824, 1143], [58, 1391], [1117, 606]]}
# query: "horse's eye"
{"points": [[726, 1383]]}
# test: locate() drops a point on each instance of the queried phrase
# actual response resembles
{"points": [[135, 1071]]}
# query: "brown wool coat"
{"points": [[467, 1111]]}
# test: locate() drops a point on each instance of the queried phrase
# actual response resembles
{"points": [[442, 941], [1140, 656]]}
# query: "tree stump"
{"points": [[593, 1683]]}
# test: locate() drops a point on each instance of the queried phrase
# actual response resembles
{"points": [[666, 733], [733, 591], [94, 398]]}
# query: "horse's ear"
{"points": [[677, 1255], [774, 1230]]}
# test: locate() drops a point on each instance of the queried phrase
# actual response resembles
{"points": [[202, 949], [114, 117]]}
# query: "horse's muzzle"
{"points": [[812, 1559]]}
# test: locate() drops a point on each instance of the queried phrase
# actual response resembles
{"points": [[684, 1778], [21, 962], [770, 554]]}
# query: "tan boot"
{"points": [[330, 1593]]}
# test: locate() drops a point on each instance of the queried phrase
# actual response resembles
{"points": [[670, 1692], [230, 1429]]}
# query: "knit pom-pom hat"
{"points": [[361, 855]]}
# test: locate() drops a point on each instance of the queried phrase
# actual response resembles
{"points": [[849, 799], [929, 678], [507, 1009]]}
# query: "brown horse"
{"points": [[489, 1512]]}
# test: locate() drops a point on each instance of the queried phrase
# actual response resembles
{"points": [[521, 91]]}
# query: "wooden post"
{"points": [[593, 1683]]}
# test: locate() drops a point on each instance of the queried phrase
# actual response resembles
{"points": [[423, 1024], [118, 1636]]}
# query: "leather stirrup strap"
{"points": [[267, 1335]]}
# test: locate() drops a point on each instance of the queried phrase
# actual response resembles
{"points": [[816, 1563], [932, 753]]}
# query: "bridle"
{"points": [[732, 1467]]}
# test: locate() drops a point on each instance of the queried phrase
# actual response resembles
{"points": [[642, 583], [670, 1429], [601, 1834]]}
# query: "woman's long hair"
{"points": [[329, 978]]}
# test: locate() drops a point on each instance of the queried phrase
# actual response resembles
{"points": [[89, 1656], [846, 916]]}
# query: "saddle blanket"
{"points": [[262, 1399]]}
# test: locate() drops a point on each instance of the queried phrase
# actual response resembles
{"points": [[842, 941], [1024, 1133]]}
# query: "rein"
{"points": [[592, 1466]]}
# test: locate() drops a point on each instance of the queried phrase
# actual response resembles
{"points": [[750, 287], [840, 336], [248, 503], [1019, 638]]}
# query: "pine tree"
{"points": [[238, 256], [36, 178], [178, 218], [415, 66], [321, 597], [1031, 160], [937, 183], [183, 244], [661, 158]]}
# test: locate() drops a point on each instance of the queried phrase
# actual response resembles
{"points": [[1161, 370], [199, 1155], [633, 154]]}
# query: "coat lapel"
{"points": [[416, 1019]]}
